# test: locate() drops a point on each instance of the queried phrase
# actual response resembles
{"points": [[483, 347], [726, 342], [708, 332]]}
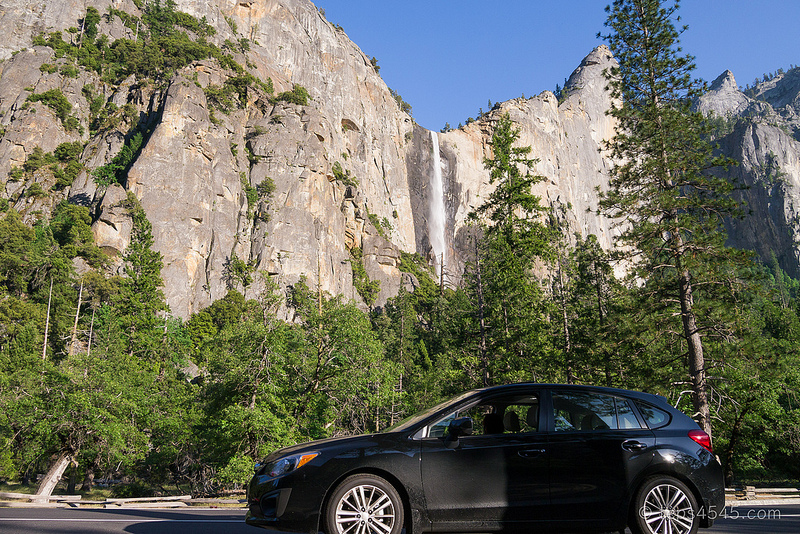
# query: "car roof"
{"points": [[510, 388]]}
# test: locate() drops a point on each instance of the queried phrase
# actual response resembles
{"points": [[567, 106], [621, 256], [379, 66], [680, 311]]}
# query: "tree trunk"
{"points": [[47, 322], [73, 475], [88, 478], [74, 339], [732, 444], [54, 475], [441, 275], [482, 343], [91, 333], [697, 364], [562, 297]]}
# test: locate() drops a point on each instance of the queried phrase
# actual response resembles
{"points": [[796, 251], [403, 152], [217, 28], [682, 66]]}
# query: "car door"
{"points": [[596, 446], [498, 475]]}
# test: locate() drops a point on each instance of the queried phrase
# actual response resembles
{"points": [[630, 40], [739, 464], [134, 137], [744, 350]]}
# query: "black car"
{"points": [[521, 457]]}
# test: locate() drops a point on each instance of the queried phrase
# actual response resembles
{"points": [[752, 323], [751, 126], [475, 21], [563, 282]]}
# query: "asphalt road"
{"points": [[101, 521], [784, 519], [768, 519]]}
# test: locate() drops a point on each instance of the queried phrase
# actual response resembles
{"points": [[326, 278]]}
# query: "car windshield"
{"points": [[412, 420]]}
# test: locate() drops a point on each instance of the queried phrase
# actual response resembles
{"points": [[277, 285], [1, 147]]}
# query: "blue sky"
{"points": [[449, 58]]}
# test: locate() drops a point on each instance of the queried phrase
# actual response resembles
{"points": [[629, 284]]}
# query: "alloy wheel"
{"points": [[668, 510], [365, 509]]}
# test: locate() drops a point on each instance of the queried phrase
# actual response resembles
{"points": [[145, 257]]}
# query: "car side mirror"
{"points": [[462, 426]]}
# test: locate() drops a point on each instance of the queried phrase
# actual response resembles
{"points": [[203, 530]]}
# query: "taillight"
{"points": [[701, 438]]}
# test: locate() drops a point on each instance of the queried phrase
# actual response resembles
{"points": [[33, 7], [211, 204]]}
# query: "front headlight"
{"points": [[287, 464]]}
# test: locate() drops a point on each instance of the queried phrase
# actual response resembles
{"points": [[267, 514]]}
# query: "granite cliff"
{"points": [[290, 188], [761, 130]]}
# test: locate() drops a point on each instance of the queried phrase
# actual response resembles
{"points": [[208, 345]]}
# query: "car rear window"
{"points": [[655, 417]]}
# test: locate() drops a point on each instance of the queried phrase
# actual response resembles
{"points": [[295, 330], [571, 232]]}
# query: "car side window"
{"points": [[578, 411], [625, 415], [655, 417], [583, 411], [439, 428], [574, 411], [517, 414]]}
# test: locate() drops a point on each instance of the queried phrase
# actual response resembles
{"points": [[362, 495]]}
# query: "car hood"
{"points": [[320, 445]]}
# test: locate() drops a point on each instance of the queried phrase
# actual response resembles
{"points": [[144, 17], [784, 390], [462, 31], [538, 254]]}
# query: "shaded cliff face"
{"points": [[347, 170], [762, 132]]}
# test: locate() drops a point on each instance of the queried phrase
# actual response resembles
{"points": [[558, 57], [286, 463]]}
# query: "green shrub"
{"points": [[250, 192], [35, 191], [237, 471], [234, 92], [132, 490], [95, 101], [66, 176], [256, 131], [116, 170], [381, 225], [251, 156], [368, 289], [90, 23], [402, 104], [231, 24], [68, 151], [219, 97], [55, 100], [15, 174], [298, 95], [72, 124], [37, 159], [266, 187], [70, 71], [343, 176], [131, 114]]}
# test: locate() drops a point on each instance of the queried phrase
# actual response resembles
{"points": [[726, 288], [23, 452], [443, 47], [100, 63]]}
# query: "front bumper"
{"points": [[274, 505]]}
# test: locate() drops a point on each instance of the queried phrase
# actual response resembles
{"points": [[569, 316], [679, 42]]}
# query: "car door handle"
{"points": [[531, 453], [633, 445]]}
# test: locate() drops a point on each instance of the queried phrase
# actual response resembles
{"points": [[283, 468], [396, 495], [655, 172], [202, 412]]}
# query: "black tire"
{"points": [[664, 505], [364, 504]]}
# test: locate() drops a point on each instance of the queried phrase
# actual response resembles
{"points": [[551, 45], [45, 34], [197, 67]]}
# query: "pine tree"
{"points": [[669, 203], [508, 301], [140, 299]]}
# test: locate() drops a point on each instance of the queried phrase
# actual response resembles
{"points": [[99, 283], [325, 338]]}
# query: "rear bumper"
{"points": [[712, 493]]}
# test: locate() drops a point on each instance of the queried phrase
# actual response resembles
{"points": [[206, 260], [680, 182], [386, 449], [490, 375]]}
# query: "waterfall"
{"points": [[436, 221]]}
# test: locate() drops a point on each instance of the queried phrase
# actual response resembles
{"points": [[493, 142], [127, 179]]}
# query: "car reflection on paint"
{"points": [[520, 457]]}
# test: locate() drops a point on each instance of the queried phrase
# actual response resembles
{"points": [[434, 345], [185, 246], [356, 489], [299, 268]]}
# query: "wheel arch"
{"points": [[408, 519], [676, 474], [656, 472]]}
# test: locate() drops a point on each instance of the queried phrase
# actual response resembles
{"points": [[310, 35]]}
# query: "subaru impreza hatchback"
{"points": [[521, 457]]}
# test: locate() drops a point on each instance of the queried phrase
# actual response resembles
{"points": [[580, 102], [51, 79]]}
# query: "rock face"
{"points": [[762, 132], [349, 169]]}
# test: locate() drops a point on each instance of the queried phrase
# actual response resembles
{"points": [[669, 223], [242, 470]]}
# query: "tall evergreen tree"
{"points": [[590, 299], [669, 204], [140, 299], [508, 300]]}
